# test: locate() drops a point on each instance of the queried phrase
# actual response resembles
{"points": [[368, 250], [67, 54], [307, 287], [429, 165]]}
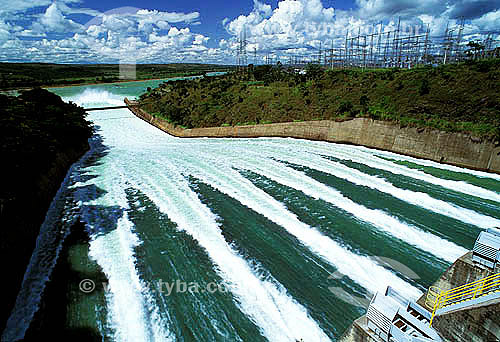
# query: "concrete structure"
{"points": [[477, 324], [395, 319], [450, 148], [476, 320], [487, 248]]}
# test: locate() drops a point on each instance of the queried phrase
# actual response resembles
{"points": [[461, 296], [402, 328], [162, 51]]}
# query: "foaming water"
{"points": [[96, 98], [132, 317], [139, 156], [359, 268], [433, 164], [412, 235], [62, 214], [376, 162], [416, 198], [131, 313], [264, 301]]}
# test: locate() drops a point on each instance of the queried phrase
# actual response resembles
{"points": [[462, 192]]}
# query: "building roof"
{"points": [[490, 238], [387, 306]]}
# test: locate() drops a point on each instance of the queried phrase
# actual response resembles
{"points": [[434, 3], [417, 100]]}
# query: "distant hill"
{"points": [[19, 75]]}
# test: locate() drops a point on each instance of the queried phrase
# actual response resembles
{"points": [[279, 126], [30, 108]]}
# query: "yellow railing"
{"points": [[437, 299]]}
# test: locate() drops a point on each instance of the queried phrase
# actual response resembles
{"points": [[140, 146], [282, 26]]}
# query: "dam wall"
{"points": [[458, 149]]}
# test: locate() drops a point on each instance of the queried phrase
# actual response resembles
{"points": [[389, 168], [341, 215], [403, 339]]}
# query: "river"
{"points": [[263, 239]]}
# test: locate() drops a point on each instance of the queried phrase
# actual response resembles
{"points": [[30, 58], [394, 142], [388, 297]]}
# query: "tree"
{"points": [[261, 71], [475, 48], [314, 71], [424, 87], [363, 101], [278, 71]]}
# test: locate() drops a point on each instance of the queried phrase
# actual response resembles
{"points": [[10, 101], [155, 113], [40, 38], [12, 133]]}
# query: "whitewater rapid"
{"points": [[145, 158], [133, 154]]}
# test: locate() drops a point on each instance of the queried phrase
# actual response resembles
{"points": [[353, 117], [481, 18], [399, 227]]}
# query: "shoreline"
{"points": [[24, 244], [92, 83], [119, 81], [456, 149], [35, 174]]}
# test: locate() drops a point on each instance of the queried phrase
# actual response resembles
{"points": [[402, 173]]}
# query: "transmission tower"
{"points": [[242, 48]]}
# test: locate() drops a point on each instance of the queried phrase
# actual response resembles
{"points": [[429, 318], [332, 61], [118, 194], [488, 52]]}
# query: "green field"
{"points": [[26, 75]]}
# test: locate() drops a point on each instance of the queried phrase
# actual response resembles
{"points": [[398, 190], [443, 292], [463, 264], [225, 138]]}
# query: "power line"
{"points": [[383, 49]]}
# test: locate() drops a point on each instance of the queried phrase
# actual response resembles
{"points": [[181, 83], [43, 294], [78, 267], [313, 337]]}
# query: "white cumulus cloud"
{"points": [[292, 23], [46, 30], [53, 20], [300, 26]]}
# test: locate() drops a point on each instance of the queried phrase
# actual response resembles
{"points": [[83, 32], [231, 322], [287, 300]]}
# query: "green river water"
{"points": [[245, 239]]}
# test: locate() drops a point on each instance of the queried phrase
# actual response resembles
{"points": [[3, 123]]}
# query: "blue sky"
{"points": [[211, 12], [148, 31]]}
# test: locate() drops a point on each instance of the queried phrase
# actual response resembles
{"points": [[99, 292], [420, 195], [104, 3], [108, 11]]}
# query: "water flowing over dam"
{"points": [[295, 235]]}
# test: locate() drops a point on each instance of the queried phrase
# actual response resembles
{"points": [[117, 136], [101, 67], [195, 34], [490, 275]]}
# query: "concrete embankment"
{"points": [[479, 323], [451, 148], [475, 324]]}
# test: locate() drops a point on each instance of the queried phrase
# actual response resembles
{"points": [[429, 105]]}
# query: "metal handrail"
{"points": [[432, 295], [462, 293]]}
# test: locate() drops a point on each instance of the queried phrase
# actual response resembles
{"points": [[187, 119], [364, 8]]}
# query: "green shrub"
{"points": [[345, 106], [340, 93], [261, 72], [363, 101], [314, 71], [483, 66], [424, 88]]}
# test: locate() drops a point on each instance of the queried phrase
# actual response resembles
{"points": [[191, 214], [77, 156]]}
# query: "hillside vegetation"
{"points": [[457, 97], [33, 128], [40, 137]]}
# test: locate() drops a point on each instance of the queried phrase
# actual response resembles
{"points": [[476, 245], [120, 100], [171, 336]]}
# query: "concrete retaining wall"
{"points": [[476, 324], [450, 148], [480, 324]]}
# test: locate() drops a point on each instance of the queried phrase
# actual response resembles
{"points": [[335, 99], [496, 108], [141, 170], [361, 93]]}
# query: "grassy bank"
{"points": [[25, 75], [40, 137], [454, 98]]}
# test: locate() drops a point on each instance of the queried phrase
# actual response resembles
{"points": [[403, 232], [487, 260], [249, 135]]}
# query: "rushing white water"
{"points": [[433, 164], [133, 319], [360, 269], [347, 152], [156, 163], [135, 155], [378, 218], [95, 97], [416, 198], [216, 173], [277, 314]]}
